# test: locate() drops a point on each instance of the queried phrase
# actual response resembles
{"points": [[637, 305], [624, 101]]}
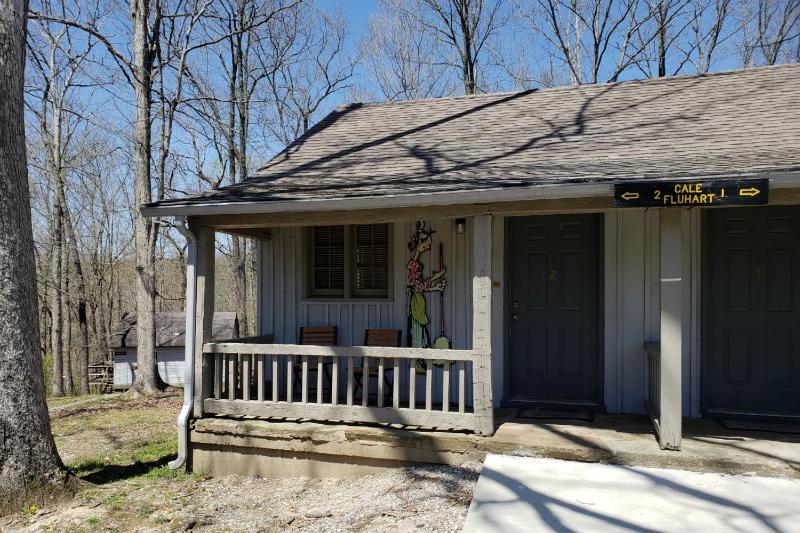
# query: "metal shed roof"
{"points": [[171, 329]]}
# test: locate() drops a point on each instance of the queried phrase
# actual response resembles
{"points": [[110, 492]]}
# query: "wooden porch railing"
{"points": [[294, 381], [652, 402]]}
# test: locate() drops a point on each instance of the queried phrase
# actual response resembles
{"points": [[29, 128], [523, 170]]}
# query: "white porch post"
{"points": [[482, 324], [204, 313], [672, 283]]}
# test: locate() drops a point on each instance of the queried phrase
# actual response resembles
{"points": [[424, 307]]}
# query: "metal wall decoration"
{"points": [[418, 285]]}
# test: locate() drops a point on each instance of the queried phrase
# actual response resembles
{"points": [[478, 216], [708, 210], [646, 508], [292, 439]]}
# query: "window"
{"points": [[327, 261], [349, 261]]}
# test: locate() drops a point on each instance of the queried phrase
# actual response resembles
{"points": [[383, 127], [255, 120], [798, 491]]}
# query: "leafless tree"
{"points": [[316, 66], [238, 65], [595, 39], [402, 61], [30, 468], [57, 59], [462, 28], [142, 69]]}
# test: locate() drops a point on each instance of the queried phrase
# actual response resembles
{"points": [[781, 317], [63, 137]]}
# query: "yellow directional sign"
{"points": [[690, 193]]}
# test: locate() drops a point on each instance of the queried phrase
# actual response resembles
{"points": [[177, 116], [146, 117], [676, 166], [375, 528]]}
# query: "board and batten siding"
{"points": [[170, 361], [631, 299], [632, 306], [285, 306]]}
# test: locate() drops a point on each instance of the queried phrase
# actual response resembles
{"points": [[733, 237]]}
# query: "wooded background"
{"points": [[131, 102]]}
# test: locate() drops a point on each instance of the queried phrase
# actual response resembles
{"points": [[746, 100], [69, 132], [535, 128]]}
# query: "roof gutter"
{"points": [[385, 201], [564, 189], [188, 370]]}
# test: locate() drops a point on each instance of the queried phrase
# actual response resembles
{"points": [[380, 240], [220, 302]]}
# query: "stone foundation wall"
{"points": [[221, 446]]}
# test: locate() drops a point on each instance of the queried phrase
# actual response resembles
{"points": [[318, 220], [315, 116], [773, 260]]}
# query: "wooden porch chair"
{"points": [[314, 336], [377, 337]]}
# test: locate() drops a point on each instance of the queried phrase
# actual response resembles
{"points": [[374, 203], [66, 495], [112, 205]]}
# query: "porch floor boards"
{"points": [[626, 440]]}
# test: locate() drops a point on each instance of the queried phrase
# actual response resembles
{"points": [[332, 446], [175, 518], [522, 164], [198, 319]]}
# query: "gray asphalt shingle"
{"points": [[732, 123]]}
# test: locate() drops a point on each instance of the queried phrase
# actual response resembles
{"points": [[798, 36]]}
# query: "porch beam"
{"points": [[482, 324], [672, 331], [204, 313], [231, 222]]}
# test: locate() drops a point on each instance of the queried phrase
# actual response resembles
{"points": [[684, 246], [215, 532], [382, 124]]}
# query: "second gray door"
{"points": [[751, 305], [554, 310]]}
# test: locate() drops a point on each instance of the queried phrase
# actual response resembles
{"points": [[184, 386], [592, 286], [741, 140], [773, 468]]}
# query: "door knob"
{"points": [[515, 316]]}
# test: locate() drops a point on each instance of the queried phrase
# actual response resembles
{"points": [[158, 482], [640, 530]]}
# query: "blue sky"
{"points": [[357, 12]]}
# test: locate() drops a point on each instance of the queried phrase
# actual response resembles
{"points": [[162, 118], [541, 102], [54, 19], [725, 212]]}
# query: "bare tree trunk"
{"points": [[662, 38], [147, 381], [30, 469], [66, 315], [55, 304], [83, 328]]}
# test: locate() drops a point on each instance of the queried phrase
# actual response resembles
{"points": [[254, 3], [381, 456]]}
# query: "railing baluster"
{"points": [[412, 384], [429, 387], [396, 384], [245, 376], [260, 372], [304, 385], [233, 366], [275, 378], [446, 387], [319, 379], [218, 376], [462, 385], [289, 378], [381, 371], [350, 379], [335, 381], [364, 381]]}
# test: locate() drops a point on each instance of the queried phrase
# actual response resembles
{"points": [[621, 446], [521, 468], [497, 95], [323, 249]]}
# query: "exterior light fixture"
{"points": [[461, 225]]}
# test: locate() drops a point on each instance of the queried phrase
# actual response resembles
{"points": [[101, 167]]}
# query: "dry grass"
{"points": [[121, 446]]}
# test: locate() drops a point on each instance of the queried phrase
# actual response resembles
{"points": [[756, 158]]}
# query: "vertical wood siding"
{"points": [[631, 295], [285, 306], [170, 362]]}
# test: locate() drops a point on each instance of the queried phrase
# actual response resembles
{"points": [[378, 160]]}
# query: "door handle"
{"points": [[515, 316]]}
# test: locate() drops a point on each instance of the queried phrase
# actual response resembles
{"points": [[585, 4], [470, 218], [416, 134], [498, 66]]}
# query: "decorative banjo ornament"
{"points": [[418, 285]]}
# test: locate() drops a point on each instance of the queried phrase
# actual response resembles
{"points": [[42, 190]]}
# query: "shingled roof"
{"points": [[171, 329], [734, 123]]}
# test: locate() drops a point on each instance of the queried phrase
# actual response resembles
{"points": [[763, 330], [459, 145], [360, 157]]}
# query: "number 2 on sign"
{"points": [[658, 195]]}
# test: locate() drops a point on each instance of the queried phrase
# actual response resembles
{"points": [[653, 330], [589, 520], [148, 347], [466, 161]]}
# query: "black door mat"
{"points": [[550, 414], [753, 425]]}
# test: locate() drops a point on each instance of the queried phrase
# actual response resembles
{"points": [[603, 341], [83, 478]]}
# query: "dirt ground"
{"points": [[121, 448]]}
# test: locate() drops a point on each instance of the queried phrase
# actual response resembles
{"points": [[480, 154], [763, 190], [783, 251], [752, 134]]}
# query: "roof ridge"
{"points": [[662, 79]]}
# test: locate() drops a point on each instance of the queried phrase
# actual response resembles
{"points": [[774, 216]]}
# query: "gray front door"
{"points": [[751, 311], [554, 302]]}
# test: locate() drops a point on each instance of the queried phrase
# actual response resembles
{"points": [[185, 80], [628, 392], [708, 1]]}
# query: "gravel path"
{"points": [[432, 498], [429, 498]]}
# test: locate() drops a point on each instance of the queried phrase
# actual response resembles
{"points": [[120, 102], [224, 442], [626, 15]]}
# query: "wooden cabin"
{"points": [[170, 345], [619, 248]]}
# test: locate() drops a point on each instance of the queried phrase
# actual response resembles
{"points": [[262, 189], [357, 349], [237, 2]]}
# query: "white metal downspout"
{"points": [[188, 371]]}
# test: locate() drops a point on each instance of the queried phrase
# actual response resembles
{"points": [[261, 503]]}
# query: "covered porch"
{"points": [[456, 389], [446, 389], [555, 295]]}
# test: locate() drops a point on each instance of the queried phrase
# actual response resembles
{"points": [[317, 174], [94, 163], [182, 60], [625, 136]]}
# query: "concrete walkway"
{"points": [[533, 494], [629, 440]]}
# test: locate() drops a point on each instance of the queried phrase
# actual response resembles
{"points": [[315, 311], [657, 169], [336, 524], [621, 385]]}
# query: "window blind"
{"points": [[371, 260], [328, 253]]}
